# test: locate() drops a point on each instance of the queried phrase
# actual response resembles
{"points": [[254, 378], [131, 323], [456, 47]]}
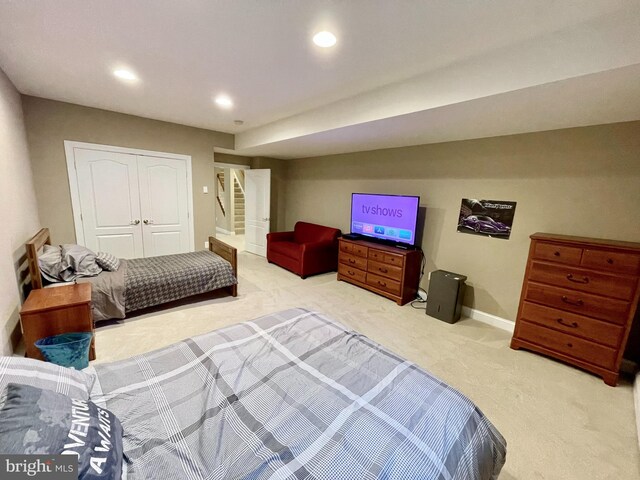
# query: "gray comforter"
{"points": [[146, 282], [292, 395]]}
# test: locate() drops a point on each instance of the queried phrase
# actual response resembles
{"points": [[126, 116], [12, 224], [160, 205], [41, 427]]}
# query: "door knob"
{"points": [[146, 222], [134, 222]]}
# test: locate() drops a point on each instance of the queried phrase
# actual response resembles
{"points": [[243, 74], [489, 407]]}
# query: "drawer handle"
{"points": [[350, 272], [382, 284], [383, 270], [351, 260], [571, 278], [577, 303], [610, 261], [570, 325], [556, 253], [570, 345]]}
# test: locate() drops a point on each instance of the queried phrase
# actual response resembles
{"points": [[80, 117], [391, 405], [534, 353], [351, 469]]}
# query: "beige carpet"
{"points": [[559, 422]]}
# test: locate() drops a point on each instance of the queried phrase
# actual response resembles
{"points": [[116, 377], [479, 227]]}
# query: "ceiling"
{"points": [[403, 72]]}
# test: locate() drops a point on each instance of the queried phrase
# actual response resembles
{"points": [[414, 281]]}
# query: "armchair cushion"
{"points": [[288, 249], [307, 250]]}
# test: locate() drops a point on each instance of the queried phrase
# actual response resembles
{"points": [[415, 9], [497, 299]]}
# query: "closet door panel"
{"points": [[109, 201], [164, 205]]}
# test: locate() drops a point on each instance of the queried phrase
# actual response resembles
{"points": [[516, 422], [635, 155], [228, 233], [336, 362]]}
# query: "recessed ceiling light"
{"points": [[125, 74], [324, 39], [224, 101]]}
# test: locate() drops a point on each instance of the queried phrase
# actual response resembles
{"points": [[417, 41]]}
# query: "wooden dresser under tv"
{"points": [[578, 301], [389, 271]]}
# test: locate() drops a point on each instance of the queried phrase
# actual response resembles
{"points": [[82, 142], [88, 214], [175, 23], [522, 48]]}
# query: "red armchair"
{"points": [[307, 250]]}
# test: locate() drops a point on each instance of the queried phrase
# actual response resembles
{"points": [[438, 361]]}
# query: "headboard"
{"points": [[33, 247]]}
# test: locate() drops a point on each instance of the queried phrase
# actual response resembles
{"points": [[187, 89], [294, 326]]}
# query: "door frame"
{"points": [[215, 190], [69, 151]]}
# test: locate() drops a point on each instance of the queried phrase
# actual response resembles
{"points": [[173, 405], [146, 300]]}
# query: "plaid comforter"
{"points": [[292, 395], [156, 280]]}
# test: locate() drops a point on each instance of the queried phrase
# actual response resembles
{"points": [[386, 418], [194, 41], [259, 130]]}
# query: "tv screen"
{"points": [[392, 218]]}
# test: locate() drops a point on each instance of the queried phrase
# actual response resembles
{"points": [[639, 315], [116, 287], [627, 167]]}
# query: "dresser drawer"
{"points": [[353, 261], [569, 345], [572, 324], [557, 253], [611, 261], [608, 309], [583, 280], [385, 270], [354, 248], [383, 283], [352, 272], [377, 255], [386, 257]]}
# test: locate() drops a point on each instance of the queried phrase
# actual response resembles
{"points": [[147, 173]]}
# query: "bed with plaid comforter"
{"points": [[155, 280], [292, 395]]}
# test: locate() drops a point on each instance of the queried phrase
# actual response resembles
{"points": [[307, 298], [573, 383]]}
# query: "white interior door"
{"points": [[164, 204], [109, 201], [257, 191]]}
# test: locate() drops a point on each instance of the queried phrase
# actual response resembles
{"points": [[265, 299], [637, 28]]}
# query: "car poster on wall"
{"points": [[490, 218]]}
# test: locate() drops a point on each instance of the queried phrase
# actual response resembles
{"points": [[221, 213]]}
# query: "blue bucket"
{"points": [[67, 349]]}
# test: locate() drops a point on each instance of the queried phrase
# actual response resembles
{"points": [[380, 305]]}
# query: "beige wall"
{"points": [[19, 212], [49, 123], [581, 181]]}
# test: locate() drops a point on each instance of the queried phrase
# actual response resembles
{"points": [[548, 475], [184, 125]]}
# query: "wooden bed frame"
{"points": [[42, 238]]}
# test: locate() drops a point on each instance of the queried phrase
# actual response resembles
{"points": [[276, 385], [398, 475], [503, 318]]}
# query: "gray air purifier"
{"points": [[446, 291]]}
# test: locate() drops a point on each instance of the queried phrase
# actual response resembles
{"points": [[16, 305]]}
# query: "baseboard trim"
{"points": [[489, 319], [226, 232]]}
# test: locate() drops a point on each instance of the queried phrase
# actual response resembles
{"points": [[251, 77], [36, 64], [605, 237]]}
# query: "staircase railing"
{"points": [[236, 179], [220, 177]]}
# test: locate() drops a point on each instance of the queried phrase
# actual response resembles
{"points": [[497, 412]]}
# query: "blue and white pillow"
{"points": [[37, 421], [107, 262]]}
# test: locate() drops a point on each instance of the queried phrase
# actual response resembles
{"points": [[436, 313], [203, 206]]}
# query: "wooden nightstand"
{"points": [[56, 310]]}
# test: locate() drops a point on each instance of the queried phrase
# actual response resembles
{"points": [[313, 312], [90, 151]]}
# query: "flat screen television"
{"points": [[387, 218]]}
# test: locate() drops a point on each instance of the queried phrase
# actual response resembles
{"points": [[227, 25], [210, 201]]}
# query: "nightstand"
{"points": [[56, 310]]}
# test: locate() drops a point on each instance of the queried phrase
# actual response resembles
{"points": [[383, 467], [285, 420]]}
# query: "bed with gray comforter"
{"points": [[292, 395], [124, 286], [145, 282]]}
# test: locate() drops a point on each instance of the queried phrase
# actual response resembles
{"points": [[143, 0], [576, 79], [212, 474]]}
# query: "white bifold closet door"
{"points": [[132, 205]]}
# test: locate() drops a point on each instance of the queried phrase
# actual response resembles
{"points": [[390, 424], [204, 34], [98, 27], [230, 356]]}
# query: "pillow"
{"points": [[37, 373], [78, 261], [107, 262], [50, 263], [36, 421]]}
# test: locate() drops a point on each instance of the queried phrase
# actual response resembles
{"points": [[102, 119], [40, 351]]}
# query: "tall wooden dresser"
{"points": [[389, 271], [578, 301]]}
